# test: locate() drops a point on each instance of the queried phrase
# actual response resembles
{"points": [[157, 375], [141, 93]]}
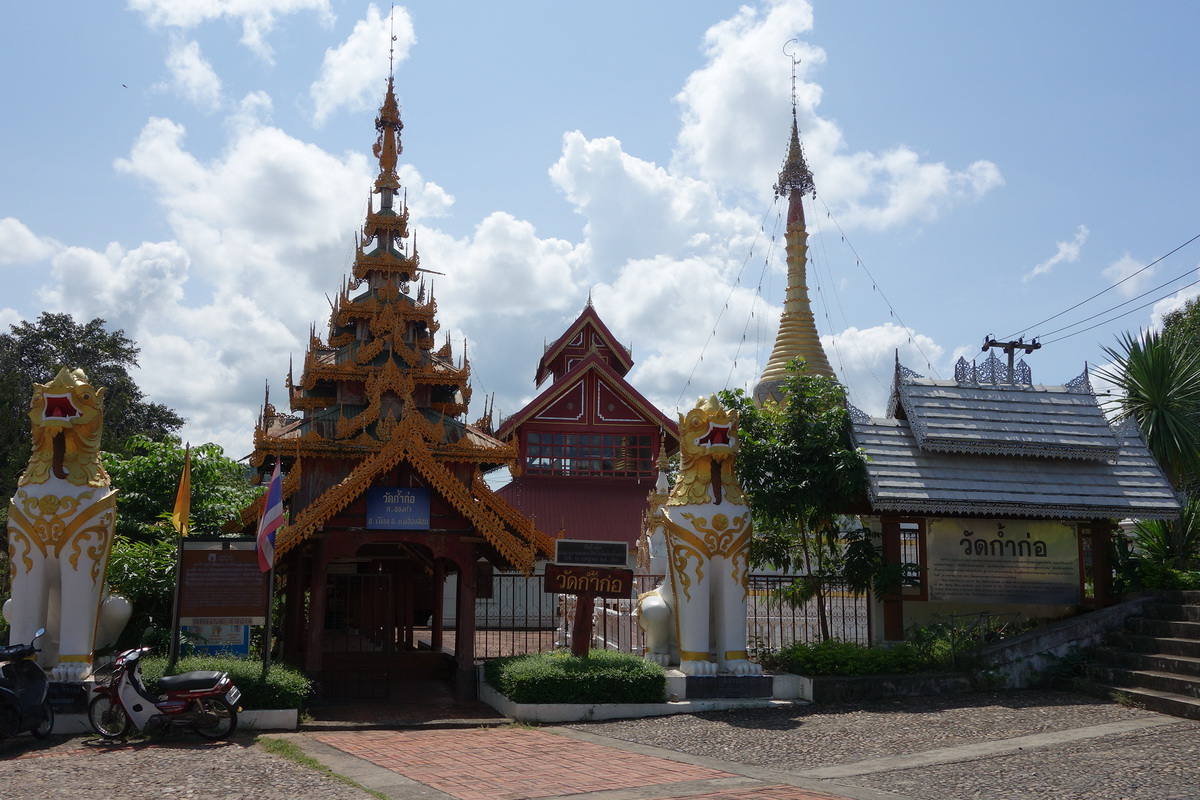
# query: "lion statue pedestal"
{"points": [[705, 525], [60, 530]]}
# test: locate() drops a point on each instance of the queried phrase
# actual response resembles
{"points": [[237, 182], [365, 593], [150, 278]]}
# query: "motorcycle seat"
{"points": [[201, 679]]}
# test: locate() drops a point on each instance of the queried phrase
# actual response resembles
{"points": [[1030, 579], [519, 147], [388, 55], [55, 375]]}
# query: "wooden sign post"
{"points": [[587, 583]]}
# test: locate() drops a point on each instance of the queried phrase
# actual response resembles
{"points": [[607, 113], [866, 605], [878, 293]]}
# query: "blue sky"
{"points": [[193, 171]]}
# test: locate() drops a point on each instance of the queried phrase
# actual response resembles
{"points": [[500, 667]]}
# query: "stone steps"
{"points": [[1154, 662]]}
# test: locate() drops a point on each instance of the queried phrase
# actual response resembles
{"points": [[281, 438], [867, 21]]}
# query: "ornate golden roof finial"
{"points": [[387, 147], [795, 174]]}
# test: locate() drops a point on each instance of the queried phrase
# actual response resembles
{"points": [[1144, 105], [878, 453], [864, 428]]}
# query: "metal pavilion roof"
{"points": [[998, 448]]}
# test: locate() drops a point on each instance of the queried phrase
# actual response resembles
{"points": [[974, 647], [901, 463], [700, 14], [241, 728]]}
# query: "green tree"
{"points": [[803, 476], [1158, 378], [33, 352], [146, 477]]}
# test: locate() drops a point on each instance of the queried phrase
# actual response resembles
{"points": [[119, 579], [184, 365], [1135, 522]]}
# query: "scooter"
{"points": [[24, 691], [205, 701]]}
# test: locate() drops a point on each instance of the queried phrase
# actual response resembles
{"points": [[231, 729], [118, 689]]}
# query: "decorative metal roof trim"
{"points": [[857, 414], [992, 372], [1081, 384], [1047, 511], [1109, 454]]}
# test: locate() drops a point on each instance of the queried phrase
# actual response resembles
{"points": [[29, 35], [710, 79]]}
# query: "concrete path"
{"points": [[513, 763]]}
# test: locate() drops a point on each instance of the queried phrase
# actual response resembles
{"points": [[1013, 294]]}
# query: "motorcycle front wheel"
{"points": [[214, 718], [108, 718], [42, 730]]}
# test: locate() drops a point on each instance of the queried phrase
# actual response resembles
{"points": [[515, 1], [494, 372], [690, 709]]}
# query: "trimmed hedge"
{"points": [[284, 687], [850, 659], [604, 676]]}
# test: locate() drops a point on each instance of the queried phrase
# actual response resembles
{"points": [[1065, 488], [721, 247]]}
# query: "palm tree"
{"points": [[1158, 376]]}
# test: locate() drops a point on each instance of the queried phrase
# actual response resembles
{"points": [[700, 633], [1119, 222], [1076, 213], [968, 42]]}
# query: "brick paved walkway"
{"points": [[510, 763]]}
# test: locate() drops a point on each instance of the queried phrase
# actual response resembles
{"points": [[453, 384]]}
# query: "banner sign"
{"points": [[591, 552], [615, 584], [220, 638], [1003, 561], [396, 508], [221, 579]]}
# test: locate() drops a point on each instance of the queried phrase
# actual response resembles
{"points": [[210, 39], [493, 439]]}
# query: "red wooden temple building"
{"points": [[588, 443], [384, 477]]}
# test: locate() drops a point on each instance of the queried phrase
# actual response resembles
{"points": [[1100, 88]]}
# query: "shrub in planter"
{"points": [[604, 676], [284, 686]]}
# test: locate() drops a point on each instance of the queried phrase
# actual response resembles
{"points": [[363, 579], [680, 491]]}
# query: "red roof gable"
{"points": [[609, 399], [587, 334]]}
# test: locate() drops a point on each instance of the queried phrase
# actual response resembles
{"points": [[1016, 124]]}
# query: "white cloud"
{"points": [[1175, 302], [19, 245], [122, 287], [1129, 275], [735, 129], [353, 73], [257, 17], [865, 358], [193, 76], [635, 209], [1067, 252]]}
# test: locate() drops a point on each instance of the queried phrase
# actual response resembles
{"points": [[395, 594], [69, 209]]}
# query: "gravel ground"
{"points": [[1161, 763], [87, 767]]}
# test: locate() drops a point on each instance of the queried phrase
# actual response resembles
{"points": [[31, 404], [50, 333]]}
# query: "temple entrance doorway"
{"points": [[380, 609]]}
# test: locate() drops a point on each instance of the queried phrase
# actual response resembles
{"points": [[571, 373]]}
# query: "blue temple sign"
{"points": [[398, 508]]}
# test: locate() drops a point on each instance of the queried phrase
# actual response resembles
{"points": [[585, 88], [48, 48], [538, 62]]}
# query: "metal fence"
{"points": [[520, 618]]}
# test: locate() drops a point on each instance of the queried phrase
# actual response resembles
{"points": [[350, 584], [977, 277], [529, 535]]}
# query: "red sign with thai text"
{"points": [[615, 584]]}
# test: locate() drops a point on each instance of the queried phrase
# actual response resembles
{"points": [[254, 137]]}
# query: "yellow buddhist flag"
{"points": [[183, 498]]}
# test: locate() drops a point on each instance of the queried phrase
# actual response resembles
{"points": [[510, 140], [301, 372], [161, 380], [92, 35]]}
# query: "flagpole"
{"points": [[179, 519], [267, 627]]}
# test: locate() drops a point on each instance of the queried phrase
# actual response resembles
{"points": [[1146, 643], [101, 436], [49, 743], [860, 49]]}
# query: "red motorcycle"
{"points": [[205, 701]]}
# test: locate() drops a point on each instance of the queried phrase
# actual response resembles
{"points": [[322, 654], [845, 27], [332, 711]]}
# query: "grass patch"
{"points": [[289, 750], [604, 676], [283, 687]]}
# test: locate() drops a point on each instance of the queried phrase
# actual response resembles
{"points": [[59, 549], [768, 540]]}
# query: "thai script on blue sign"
{"points": [[398, 508]]}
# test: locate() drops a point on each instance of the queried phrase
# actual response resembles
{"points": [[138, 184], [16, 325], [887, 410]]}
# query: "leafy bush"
{"points": [[284, 687], [604, 676], [850, 659]]}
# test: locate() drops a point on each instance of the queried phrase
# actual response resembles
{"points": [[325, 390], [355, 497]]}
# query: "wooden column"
{"points": [[893, 604], [1102, 530], [316, 610], [439, 611], [464, 637], [293, 611]]}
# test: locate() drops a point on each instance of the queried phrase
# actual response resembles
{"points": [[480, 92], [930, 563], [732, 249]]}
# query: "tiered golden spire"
{"points": [[797, 337]]}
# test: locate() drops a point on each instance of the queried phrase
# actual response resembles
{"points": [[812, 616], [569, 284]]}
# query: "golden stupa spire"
{"points": [[797, 337]]}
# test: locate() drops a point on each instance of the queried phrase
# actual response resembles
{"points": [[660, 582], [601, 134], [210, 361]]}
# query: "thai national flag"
{"points": [[272, 519]]}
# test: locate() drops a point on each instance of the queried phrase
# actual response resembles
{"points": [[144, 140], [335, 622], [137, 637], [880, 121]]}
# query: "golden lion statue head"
{"points": [[68, 419], [708, 443]]}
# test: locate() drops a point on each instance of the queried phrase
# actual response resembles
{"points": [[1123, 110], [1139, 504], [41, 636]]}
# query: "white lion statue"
{"points": [[705, 525], [60, 531]]}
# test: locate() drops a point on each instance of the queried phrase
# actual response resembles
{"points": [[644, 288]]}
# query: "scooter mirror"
{"points": [[39, 632]]}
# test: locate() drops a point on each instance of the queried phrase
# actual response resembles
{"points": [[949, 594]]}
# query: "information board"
{"points": [[1003, 561], [221, 580], [590, 552]]}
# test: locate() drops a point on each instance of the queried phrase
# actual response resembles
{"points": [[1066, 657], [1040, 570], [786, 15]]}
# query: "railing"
{"points": [[520, 618]]}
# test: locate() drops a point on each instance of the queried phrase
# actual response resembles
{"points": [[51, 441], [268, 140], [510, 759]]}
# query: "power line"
{"points": [[1102, 291], [1127, 302]]}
